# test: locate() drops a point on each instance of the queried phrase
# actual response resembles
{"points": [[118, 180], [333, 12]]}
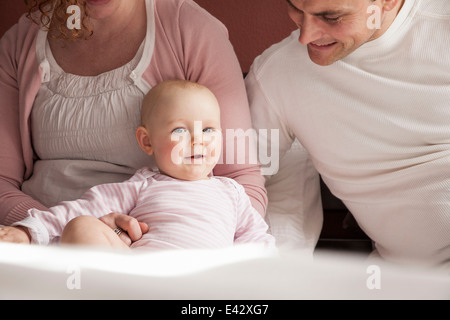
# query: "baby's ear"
{"points": [[143, 140]]}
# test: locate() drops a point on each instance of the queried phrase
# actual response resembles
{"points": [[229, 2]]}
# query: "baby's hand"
{"points": [[15, 235]]}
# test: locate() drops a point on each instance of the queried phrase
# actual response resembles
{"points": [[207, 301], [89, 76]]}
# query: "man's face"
{"points": [[332, 29]]}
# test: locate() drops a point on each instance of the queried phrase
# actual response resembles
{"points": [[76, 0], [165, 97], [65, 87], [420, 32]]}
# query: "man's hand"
{"points": [[133, 229], [15, 235]]}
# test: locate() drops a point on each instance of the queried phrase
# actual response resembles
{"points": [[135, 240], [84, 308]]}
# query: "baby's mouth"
{"points": [[195, 156]]}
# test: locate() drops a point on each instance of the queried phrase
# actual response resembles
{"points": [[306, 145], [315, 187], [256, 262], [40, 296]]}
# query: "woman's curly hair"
{"points": [[52, 15]]}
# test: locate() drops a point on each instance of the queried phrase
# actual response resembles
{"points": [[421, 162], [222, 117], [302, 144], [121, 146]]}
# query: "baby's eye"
{"points": [[179, 130], [209, 130]]}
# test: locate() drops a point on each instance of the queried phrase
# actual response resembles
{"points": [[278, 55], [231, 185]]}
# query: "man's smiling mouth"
{"points": [[322, 45]]}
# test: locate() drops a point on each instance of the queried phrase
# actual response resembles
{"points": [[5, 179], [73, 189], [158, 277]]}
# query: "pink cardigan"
{"points": [[189, 44]]}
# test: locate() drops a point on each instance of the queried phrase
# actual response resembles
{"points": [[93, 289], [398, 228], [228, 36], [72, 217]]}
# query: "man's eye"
{"points": [[179, 130], [332, 19]]}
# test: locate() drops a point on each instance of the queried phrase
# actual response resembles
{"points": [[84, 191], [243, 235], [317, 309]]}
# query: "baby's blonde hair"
{"points": [[152, 98]]}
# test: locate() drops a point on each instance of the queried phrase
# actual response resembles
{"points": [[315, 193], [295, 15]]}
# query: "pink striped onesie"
{"points": [[212, 213]]}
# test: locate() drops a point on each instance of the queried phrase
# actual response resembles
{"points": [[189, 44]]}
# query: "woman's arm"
{"points": [[14, 63]]}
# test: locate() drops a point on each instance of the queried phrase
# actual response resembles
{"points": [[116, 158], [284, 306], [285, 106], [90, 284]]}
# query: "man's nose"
{"points": [[310, 30]]}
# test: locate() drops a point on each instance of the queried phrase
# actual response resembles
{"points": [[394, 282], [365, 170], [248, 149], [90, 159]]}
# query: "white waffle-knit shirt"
{"points": [[376, 125]]}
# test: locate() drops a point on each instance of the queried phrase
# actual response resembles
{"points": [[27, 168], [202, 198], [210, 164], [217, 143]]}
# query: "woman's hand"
{"points": [[15, 235], [132, 230]]}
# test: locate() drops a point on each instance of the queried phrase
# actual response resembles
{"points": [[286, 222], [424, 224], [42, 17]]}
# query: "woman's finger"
{"points": [[111, 221], [130, 225], [144, 227]]}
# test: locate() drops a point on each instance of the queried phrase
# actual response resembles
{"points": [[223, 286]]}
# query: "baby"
{"points": [[181, 206]]}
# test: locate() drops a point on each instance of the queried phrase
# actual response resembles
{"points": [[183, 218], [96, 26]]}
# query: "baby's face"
{"points": [[185, 133]]}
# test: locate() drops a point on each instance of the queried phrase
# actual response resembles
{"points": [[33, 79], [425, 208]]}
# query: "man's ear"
{"points": [[388, 5], [143, 140]]}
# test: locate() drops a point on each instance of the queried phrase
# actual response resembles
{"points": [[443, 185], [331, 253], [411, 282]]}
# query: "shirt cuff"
{"points": [[38, 232]]}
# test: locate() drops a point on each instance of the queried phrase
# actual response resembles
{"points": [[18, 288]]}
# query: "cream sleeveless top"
{"points": [[83, 128]]}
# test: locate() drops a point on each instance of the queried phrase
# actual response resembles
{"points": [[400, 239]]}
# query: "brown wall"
{"points": [[253, 25], [10, 11]]}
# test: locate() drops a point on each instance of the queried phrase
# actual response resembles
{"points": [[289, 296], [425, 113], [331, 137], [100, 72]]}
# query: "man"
{"points": [[365, 87]]}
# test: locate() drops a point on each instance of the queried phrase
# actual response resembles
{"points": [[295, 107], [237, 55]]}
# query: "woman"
{"points": [[70, 98]]}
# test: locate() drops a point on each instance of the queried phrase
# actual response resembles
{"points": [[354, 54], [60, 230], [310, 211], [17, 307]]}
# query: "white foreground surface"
{"points": [[33, 272]]}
